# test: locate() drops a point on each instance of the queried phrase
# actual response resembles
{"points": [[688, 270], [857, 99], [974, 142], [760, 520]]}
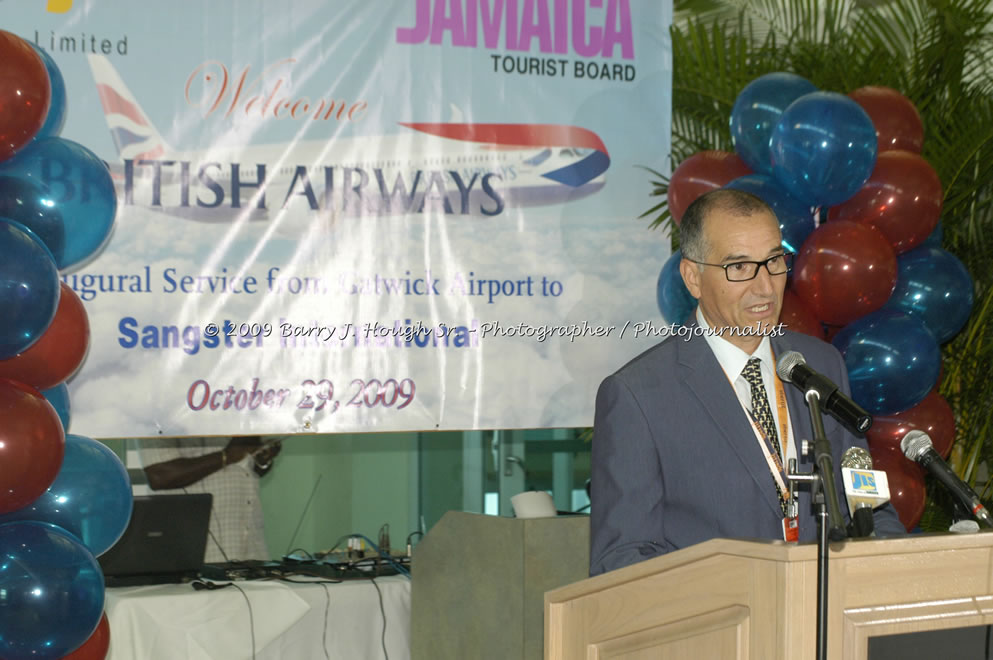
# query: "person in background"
{"points": [[228, 469]]}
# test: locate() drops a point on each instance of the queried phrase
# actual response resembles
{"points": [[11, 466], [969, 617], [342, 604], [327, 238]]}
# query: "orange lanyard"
{"points": [[772, 457], [773, 460], [783, 416]]}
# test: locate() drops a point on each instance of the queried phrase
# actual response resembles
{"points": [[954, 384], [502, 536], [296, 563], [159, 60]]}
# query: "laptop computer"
{"points": [[164, 542]]}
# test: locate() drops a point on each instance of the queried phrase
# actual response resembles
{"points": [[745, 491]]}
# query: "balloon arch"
{"points": [[861, 209], [64, 499]]}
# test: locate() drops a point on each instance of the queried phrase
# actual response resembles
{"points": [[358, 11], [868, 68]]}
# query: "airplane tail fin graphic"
{"points": [[133, 133]]}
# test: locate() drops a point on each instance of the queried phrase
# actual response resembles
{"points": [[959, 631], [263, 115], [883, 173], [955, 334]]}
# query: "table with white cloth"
{"points": [[306, 619]]}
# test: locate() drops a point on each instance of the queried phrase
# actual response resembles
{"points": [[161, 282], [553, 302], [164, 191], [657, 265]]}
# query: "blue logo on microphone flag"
{"points": [[353, 216], [864, 481]]}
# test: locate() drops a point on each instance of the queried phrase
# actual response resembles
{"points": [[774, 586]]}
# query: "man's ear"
{"points": [[691, 277]]}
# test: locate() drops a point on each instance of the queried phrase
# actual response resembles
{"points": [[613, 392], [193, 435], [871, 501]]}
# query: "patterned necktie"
{"points": [[763, 414], [760, 402]]}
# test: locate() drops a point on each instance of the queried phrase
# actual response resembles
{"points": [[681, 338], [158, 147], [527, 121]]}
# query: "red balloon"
{"points": [[32, 445], [700, 173], [902, 199], [58, 352], [25, 93], [844, 271], [795, 316], [906, 481], [932, 415], [96, 647], [898, 124]]}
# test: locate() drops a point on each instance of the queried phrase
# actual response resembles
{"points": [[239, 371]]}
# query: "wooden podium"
{"points": [[757, 600]]}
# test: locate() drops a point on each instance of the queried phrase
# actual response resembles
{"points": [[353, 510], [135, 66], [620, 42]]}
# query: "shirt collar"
{"points": [[731, 358]]}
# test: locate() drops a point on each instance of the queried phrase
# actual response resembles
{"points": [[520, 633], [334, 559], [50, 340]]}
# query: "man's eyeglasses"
{"points": [[742, 271]]}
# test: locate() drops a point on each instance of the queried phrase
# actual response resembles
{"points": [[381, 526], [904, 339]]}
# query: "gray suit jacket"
{"points": [[675, 461]]}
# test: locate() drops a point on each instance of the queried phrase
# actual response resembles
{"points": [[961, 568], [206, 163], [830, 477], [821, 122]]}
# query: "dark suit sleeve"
{"points": [[626, 482], [886, 522]]}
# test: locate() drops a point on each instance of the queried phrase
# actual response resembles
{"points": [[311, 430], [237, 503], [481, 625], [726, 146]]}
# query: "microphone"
{"points": [[856, 458], [792, 368], [865, 489], [916, 446]]}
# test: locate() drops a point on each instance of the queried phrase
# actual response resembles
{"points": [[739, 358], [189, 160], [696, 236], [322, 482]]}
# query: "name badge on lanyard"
{"points": [[791, 529], [791, 521]]}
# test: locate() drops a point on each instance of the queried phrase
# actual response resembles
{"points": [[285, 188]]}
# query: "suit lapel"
{"points": [[703, 375]]}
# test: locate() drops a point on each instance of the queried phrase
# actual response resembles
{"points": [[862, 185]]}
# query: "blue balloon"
{"points": [[29, 288], [934, 238], [57, 109], [893, 360], [90, 497], [58, 396], [674, 299], [52, 591], [76, 183], [756, 112], [796, 219], [934, 286], [25, 203], [823, 148]]}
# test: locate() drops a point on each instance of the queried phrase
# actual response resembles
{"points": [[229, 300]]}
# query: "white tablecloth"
{"points": [[308, 620]]}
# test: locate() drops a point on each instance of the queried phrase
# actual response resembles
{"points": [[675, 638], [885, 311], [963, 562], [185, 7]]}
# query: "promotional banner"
{"points": [[361, 216]]}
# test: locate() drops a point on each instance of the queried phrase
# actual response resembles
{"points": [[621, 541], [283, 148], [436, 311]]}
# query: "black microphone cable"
{"points": [[327, 613], [251, 618], [382, 609]]}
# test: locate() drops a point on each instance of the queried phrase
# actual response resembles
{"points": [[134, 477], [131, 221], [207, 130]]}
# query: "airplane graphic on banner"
{"points": [[442, 168]]}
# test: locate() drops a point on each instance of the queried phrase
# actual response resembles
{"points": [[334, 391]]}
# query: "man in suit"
{"points": [[689, 436]]}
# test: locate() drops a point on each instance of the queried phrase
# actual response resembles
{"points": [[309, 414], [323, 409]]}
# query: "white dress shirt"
{"points": [[733, 360]]}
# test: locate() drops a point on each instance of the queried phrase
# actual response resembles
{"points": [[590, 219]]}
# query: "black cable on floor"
{"points": [[327, 611], [251, 619], [382, 608]]}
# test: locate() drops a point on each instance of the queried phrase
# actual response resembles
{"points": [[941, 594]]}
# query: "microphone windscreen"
{"points": [[915, 444], [785, 364], [856, 458]]}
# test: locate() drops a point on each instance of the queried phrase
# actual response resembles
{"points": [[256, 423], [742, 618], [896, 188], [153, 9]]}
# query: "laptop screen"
{"points": [[164, 542]]}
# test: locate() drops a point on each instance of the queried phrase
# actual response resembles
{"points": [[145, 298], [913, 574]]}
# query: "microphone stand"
{"points": [[824, 495]]}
